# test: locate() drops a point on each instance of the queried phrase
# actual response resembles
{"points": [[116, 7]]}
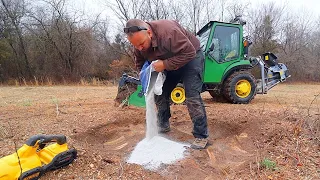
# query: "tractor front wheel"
{"points": [[178, 94], [240, 87]]}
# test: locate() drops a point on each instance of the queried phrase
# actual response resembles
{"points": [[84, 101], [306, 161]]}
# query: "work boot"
{"points": [[199, 143], [164, 129]]}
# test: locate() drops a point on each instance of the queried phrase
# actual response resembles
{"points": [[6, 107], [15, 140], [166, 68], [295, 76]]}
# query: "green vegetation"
{"points": [[269, 164]]}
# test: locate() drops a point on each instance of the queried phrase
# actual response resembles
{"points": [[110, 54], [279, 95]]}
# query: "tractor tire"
{"points": [[178, 95], [240, 87], [217, 96]]}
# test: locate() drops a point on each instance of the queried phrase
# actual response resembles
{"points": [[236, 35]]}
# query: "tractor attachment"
{"points": [[272, 72], [129, 92]]}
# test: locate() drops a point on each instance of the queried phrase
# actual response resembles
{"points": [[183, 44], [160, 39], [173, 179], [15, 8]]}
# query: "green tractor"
{"points": [[228, 70]]}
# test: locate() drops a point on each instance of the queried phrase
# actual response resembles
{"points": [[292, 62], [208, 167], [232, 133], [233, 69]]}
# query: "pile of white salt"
{"points": [[155, 150]]}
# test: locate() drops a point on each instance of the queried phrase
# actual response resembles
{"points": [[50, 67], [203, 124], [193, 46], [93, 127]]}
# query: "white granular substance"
{"points": [[151, 116], [155, 150]]}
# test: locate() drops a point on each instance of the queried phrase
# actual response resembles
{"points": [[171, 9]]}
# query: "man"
{"points": [[180, 58]]}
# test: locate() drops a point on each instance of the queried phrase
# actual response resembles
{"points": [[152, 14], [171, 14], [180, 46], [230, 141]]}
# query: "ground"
{"points": [[276, 136]]}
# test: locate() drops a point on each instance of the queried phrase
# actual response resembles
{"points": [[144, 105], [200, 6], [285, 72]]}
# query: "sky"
{"points": [[96, 6], [312, 7], [298, 7]]}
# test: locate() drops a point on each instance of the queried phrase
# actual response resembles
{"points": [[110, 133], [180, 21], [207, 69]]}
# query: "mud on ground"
{"points": [[282, 126]]}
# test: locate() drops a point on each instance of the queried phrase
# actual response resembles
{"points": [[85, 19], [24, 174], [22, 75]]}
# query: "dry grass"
{"points": [[93, 82], [36, 81], [46, 81]]}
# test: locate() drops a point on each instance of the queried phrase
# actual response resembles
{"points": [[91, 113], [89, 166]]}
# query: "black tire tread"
{"points": [[217, 96], [227, 92]]}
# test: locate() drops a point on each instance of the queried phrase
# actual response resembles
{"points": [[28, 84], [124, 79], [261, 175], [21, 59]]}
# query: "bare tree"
{"points": [[263, 26], [194, 12], [297, 46], [208, 7], [155, 10], [176, 12], [73, 47], [14, 11], [125, 9], [223, 4], [236, 8]]}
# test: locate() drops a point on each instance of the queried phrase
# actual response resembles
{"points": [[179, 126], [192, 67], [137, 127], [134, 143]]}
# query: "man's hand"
{"points": [[159, 66]]}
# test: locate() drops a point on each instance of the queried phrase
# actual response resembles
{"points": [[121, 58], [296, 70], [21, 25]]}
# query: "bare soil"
{"points": [[282, 126]]}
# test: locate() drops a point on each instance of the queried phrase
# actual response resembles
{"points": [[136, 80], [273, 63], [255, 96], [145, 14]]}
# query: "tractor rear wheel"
{"points": [[217, 96], [240, 87]]}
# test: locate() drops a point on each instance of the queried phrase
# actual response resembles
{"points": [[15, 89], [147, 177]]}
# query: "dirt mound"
{"points": [[224, 129]]}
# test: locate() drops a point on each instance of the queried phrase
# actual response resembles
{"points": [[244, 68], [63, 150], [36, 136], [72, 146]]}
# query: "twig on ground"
{"points": [[258, 165], [251, 171], [263, 108], [57, 109], [15, 147], [120, 171], [311, 126], [287, 153], [315, 97], [284, 110], [3, 132]]}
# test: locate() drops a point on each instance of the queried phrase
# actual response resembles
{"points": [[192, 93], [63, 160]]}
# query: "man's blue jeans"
{"points": [[191, 76]]}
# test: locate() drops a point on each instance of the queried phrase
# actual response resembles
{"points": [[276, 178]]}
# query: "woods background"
{"points": [[47, 41]]}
